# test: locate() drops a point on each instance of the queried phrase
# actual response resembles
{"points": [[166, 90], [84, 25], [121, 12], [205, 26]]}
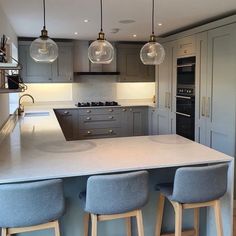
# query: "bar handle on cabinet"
{"points": [[183, 114], [203, 106], [208, 107], [169, 100]]}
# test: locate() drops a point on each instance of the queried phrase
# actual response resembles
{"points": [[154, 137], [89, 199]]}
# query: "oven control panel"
{"points": [[185, 91]]}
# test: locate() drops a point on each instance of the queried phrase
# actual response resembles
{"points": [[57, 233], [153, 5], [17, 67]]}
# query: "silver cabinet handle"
{"points": [[88, 118], [110, 110], [110, 117], [184, 97], [66, 112], [89, 132], [131, 109], [124, 109], [110, 131], [88, 111], [182, 114], [208, 107], [203, 106], [169, 100]]}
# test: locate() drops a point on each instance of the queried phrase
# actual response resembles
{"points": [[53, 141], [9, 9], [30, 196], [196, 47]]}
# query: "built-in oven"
{"points": [[185, 97]]}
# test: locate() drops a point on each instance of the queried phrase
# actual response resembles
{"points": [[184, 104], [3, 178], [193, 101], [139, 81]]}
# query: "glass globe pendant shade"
{"points": [[44, 50], [101, 51], [152, 53]]}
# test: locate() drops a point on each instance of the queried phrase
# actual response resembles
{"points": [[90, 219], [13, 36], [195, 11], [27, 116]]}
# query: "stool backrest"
{"points": [[32, 203], [116, 193], [200, 184]]}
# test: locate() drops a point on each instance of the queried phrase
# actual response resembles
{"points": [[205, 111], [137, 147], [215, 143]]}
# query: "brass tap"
{"points": [[21, 107]]}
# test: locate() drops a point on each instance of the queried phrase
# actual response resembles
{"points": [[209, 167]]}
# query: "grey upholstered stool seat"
{"points": [[27, 205], [194, 187], [115, 196]]}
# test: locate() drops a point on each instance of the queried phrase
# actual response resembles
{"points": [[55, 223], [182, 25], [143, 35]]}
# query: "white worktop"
{"points": [[36, 149]]}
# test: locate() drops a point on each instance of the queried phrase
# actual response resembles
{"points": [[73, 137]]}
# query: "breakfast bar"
{"points": [[35, 149]]}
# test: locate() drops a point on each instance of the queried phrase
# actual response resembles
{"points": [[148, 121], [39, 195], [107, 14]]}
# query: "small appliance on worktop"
{"points": [[97, 104]]}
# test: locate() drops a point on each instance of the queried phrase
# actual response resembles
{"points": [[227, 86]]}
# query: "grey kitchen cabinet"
{"points": [[217, 93], [57, 72], [33, 72], [130, 66], [67, 119], [165, 74], [152, 121], [99, 122], [134, 121]]}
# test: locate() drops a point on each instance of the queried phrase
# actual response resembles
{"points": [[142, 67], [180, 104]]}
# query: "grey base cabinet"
{"points": [[134, 121], [67, 119]]}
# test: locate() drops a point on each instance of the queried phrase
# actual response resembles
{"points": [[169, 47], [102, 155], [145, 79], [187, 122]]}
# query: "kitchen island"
{"points": [[36, 149]]}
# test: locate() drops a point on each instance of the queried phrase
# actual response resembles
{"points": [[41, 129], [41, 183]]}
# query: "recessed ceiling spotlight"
{"points": [[126, 21], [159, 24], [86, 21], [134, 35], [76, 33]]}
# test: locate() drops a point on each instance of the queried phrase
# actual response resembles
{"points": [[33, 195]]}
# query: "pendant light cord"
{"points": [[101, 16], [153, 6], [44, 15]]}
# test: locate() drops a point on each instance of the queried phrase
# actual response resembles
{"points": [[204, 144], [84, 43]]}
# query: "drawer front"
{"points": [[99, 121], [65, 112], [99, 133], [95, 111]]}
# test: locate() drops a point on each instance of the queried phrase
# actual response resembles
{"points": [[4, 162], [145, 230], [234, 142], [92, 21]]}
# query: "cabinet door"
{"points": [[33, 72], [200, 85], [164, 74], [63, 66], [221, 84], [67, 119], [152, 117], [130, 66], [185, 46]]}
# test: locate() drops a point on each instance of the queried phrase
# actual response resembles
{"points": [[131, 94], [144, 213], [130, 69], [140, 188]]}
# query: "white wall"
{"points": [[5, 28]]}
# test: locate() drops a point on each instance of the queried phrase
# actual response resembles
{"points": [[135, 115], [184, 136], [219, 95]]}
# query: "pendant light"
{"points": [[44, 49], [152, 53], [101, 51]]}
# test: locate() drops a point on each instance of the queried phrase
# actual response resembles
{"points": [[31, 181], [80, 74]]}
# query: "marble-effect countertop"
{"points": [[36, 149]]}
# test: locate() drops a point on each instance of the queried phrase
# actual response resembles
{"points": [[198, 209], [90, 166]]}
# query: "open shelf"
{"points": [[6, 90], [9, 66]]}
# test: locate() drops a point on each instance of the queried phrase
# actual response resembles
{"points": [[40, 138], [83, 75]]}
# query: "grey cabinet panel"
{"points": [[130, 66], [221, 82], [63, 67], [67, 119], [34, 72], [59, 71]]}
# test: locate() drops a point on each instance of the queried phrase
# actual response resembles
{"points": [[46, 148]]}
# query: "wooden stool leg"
{"points": [[57, 229], [160, 211], [94, 219], [140, 223], [86, 223], [218, 218], [4, 232], [178, 218], [196, 221], [128, 226]]}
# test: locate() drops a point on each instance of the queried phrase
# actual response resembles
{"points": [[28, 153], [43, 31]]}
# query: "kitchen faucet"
{"points": [[21, 107]]}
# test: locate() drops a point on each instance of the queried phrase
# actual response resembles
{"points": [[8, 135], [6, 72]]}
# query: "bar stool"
{"points": [[193, 188], [115, 196], [31, 206]]}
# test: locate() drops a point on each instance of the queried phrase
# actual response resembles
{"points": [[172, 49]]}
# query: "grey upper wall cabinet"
{"points": [[130, 66], [59, 71]]}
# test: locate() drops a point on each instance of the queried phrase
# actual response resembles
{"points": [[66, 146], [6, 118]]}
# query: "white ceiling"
{"points": [[64, 17]]}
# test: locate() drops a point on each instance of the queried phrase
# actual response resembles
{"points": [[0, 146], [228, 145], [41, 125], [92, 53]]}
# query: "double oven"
{"points": [[185, 97]]}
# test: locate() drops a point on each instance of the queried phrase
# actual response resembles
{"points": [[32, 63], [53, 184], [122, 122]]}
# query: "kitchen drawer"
{"points": [[99, 133], [95, 111], [65, 112], [100, 121], [186, 46]]}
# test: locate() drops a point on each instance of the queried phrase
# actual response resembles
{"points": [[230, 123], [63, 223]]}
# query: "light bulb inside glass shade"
{"points": [[100, 52], [44, 50], [152, 53]]}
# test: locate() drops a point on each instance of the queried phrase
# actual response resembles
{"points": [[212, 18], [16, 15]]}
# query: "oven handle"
{"points": [[185, 97], [182, 114]]}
